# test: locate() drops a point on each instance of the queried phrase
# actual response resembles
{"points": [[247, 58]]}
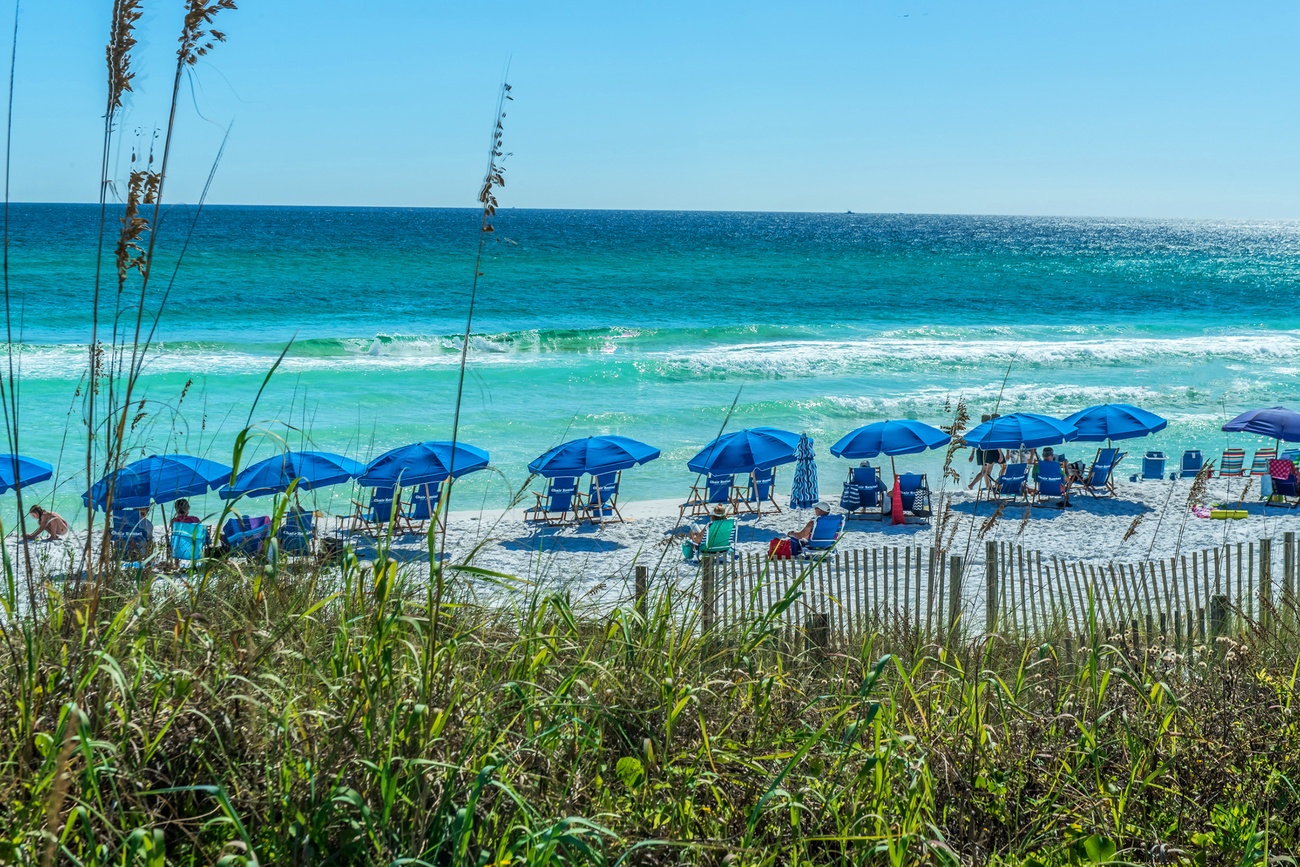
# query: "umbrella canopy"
{"points": [[275, 474], [594, 455], [803, 493], [426, 463], [1277, 422], [744, 451], [1114, 421], [905, 437], [156, 479], [1020, 430], [17, 471]]}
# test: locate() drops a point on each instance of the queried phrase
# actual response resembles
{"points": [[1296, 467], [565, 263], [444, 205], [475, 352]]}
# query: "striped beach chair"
{"points": [[1232, 462], [1259, 466]]}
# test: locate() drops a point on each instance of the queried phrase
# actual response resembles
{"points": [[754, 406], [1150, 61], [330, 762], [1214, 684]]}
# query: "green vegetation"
{"points": [[309, 715]]}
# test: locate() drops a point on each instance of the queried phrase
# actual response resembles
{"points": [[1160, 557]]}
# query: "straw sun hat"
{"points": [[719, 511]]}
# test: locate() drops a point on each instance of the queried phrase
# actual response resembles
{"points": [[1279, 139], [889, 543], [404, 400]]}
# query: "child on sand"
{"points": [[51, 523]]}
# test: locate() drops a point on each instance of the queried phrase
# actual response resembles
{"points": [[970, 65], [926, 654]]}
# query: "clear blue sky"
{"points": [[1102, 108]]}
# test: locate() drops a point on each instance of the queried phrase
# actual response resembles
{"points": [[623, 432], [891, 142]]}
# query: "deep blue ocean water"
{"points": [[650, 324]]}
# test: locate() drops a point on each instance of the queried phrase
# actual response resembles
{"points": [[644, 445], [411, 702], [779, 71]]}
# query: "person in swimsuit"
{"points": [[51, 523]]}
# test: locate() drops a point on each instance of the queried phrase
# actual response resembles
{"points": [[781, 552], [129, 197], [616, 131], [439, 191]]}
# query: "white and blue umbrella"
{"points": [[803, 493]]}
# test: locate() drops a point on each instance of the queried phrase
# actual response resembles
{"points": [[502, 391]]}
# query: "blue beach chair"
{"points": [[1099, 481], [1013, 483], [718, 490], [863, 492], [378, 515], [130, 540], [296, 534], [915, 492], [555, 507], [762, 489], [602, 498], [422, 507], [1051, 483], [1153, 468], [245, 536], [188, 542], [826, 532], [1191, 466]]}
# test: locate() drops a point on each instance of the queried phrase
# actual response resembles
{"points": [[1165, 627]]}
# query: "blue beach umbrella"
{"points": [[275, 474], [744, 451], [595, 455], [904, 437], [1276, 422], [425, 463], [1020, 430], [156, 479], [803, 492], [1114, 421], [17, 471]]}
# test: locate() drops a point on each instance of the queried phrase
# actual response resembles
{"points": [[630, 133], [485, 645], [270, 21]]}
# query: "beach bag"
{"points": [[780, 549]]}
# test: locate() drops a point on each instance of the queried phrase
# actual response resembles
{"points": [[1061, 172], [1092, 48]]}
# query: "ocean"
{"points": [[651, 325]]}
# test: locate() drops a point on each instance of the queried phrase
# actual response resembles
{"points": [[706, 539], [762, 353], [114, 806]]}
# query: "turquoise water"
{"points": [[650, 324]]}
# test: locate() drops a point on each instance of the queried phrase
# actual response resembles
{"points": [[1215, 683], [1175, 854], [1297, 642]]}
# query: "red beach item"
{"points": [[896, 505]]}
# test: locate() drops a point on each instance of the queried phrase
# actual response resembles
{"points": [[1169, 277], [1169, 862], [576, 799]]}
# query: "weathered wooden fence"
{"points": [[1010, 590]]}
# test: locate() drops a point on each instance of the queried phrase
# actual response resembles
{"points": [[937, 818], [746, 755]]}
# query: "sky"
{"points": [[1155, 109]]}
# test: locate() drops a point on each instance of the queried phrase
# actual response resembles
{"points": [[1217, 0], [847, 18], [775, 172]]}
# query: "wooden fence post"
{"points": [[642, 589], [706, 593], [1218, 616], [1266, 570], [954, 594], [991, 582], [1288, 569], [817, 635]]}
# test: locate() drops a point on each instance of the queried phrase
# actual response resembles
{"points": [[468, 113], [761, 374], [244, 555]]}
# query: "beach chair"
{"points": [[421, 508], [1259, 464], [1191, 465], [1099, 481], [1286, 483], [1051, 483], [378, 515], [1231, 464], [188, 542], [718, 489], [555, 507], [602, 498], [130, 540], [296, 534], [1013, 483], [826, 532], [762, 489], [1153, 468], [719, 540], [1292, 455], [915, 491], [244, 536], [863, 492]]}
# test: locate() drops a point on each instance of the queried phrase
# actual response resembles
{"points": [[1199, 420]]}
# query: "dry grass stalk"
{"points": [[1132, 528], [992, 520]]}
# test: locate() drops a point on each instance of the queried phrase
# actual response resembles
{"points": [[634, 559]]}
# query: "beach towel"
{"points": [[1280, 469]]}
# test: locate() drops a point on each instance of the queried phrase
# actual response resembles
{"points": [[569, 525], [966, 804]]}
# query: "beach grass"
{"points": [[283, 714]]}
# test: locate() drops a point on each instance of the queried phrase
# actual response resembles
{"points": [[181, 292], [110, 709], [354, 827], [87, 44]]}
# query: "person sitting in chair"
{"points": [[699, 534], [821, 510]]}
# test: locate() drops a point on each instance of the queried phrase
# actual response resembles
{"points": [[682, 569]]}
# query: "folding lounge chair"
{"points": [[602, 498], [245, 536], [719, 540], [378, 516], [1099, 481], [1153, 468], [1231, 463], [718, 489], [762, 489], [422, 508], [130, 540], [1286, 483], [296, 534], [560, 501], [826, 532], [915, 491], [1191, 465], [188, 542], [863, 493], [1013, 482], [1259, 465], [1050, 481]]}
